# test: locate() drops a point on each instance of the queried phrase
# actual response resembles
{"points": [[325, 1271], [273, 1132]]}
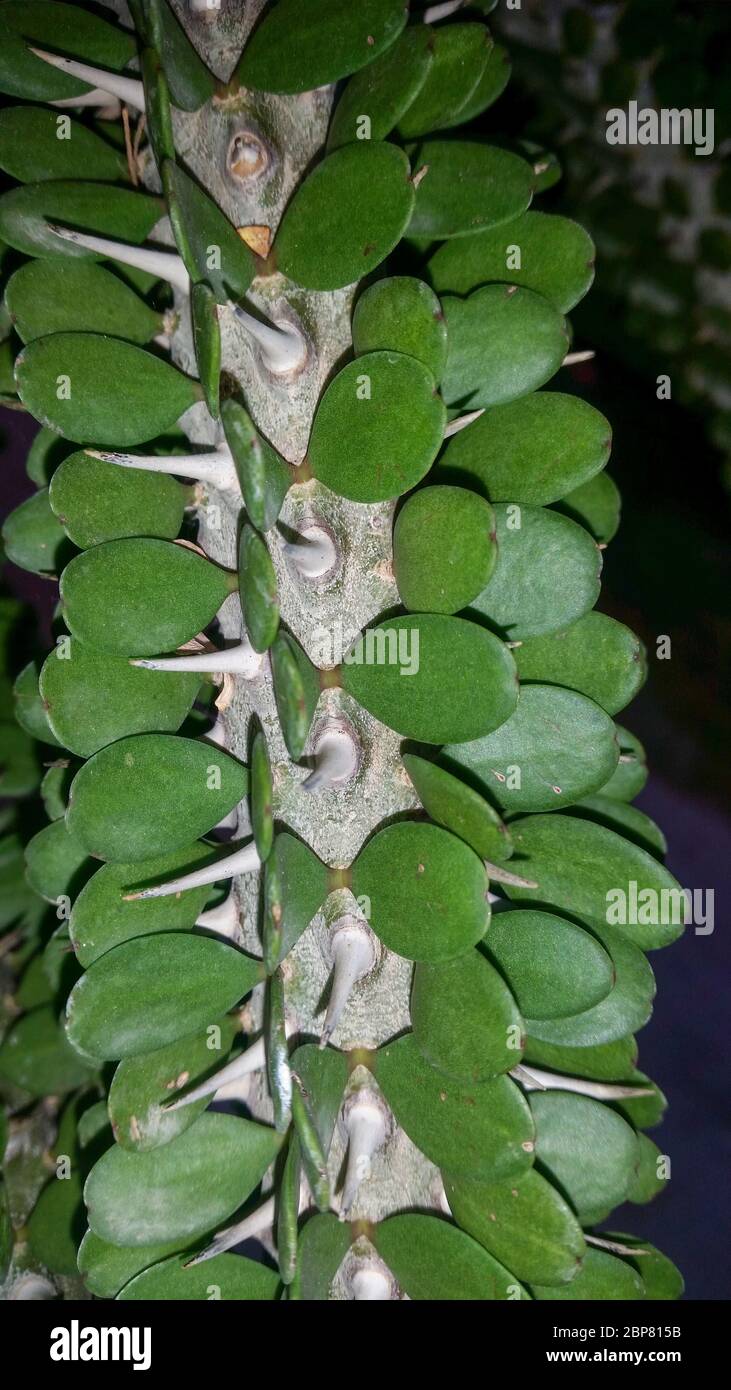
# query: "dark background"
{"points": [[669, 569]]}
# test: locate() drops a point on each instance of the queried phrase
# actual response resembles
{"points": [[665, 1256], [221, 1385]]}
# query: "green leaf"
{"points": [[324, 1075], [553, 967], [296, 690], [347, 215], [44, 456], [661, 1278], [99, 208], [70, 30], [401, 313], [607, 1061], [296, 887], [468, 186], [459, 808], [56, 1224], [626, 820], [231, 1277], [150, 794], [207, 342], [29, 708], [556, 747], [299, 47], [432, 677], [37, 143], [465, 1019], [595, 504], [158, 110], [57, 865], [647, 1180], [644, 1112], [386, 405], [492, 83], [323, 1244], [444, 549], [626, 1008], [435, 1262], [504, 341], [208, 243], [597, 656], [427, 890], [602, 1278], [533, 450], [630, 774], [191, 84], [587, 1150], [152, 991], [524, 1223], [19, 772], [55, 788], [600, 877], [141, 1086], [183, 1189], [460, 57], [138, 597], [34, 538], [546, 576], [384, 89], [263, 475], [101, 390], [93, 698], [36, 1057], [551, 255], [482, 1130], [261, 796], [106, 1268], [54, 296], [101, 918], [97, 501], [258, 589]]}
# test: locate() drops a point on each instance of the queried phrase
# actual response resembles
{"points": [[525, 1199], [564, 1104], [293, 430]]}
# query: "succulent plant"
{"points": [[342, 806]]}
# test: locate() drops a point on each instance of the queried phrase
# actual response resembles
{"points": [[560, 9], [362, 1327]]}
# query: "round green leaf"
{"points": [[384, 89], [29, 708], [346, 216], [401, 313], [602, 1279], [433, 677], [435, 1262], [106, 1268], [299, 47], [56, 1224], [553, 967], [57, 865], [55, 787], [183, 1189], [533, 450], [549, 254], [556, 747], [36, 1056], [626, 1008], [231, 1277], [427, 891], [98, 208], [46, 452], [138, 597], [97, 501], [258, 589], [596, 875], [465, 1019], [386, 405], [37, 143], [586, 1149], [660, 1277], [630, 774], [481, 1130], [101, 390], [459, 808], [200, 229], [76, 296], [101, 918], [595, 504], [460, 54], [468, 186], [93, 699], [444, 549], [546, 576], [34, 538], [525, 1224], [597, 656], [68, 29], [647, 1179], [150, 992], [296, 690], [504, 341], [142, 1086]]}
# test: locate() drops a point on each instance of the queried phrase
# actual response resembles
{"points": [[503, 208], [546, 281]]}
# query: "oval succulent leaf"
{"points": [[75, 32], [384, 89], [433, 677], [386, 405], [148, 993], [524, 1223], [208, 243], [596, 505], [553, 967], [549, 254], [346, 217], [150, 794], [36, 1057], [321, 1248], [97, 501], [435, 1261], [297, 48], [296, 690], [28, 213], [625, 1009], [235, 1279], [401, 313], [427, 891], [459, 808], [141, 596], [626, 820], [460, 53], [597, 656], [29, 708], [546, 576], [37, 143], [101, 390], [630, 774], [263, 475], [504, 341], [183, 1189], [602, 1278], [469, 186], [295, 888], [444, 549], [46, 297], [587, 1150], [34, 538], [191, 83], [258, 589], [57, 865], [465, 1019]]}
